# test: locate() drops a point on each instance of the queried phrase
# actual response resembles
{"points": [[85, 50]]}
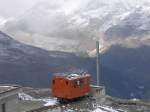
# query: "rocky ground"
{"points": [[88, 104]]}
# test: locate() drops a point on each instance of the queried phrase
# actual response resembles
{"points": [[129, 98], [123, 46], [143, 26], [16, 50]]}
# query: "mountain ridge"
{"points": [[124, 71]]}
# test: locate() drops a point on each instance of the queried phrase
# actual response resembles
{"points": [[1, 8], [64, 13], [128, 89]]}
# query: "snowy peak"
{"points": [[76, 23], [132, 29]]}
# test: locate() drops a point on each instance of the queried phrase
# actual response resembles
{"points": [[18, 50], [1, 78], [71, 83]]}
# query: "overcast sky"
{"points": [[11, 8], [55, 17]]}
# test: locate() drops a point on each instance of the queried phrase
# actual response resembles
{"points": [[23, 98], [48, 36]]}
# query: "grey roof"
{"points": [[7, 88]]}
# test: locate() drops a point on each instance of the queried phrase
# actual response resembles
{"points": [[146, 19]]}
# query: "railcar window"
{"points": [[78, 83], [75, 84], [53, 81], [66, 82], [87, 81], [81, 82]]}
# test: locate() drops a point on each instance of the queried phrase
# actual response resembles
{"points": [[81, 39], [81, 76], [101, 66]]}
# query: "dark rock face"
{"points": [[133, 66]]}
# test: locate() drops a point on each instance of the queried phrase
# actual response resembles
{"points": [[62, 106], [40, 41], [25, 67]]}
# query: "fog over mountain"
{"points": [[69, 25]]}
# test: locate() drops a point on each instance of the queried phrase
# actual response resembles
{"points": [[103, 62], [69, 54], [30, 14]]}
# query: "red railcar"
{"points": [[69, 87]]}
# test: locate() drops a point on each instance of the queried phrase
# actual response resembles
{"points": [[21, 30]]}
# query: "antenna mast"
{"points": [[97, 63]]}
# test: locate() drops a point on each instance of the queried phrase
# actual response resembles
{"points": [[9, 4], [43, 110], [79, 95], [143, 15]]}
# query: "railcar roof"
{"points": [[6, 88], [72, 76]]}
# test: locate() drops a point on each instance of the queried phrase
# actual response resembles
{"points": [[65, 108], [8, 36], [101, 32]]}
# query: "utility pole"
{"points": [[97, 63]]}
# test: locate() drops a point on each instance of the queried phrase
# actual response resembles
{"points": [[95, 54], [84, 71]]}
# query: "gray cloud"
{"points": [[71, 25], [12, 8]]}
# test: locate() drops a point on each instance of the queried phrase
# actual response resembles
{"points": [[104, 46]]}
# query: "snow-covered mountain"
{"points": [[70, 25]]}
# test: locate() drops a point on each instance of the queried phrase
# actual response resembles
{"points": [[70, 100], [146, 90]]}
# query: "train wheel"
{"points": [[62, 100]]}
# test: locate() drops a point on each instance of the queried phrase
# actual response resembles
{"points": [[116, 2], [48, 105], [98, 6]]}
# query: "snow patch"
{"points": [[98, 110], [107, 109], [47, 101], [135, 99], [50, 102], [24, 96]]}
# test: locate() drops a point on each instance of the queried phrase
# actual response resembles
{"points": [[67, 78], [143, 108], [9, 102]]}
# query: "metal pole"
{"points": [[97, 63]]}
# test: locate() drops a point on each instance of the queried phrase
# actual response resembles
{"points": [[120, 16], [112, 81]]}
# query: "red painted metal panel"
{"points": [[65, 88]]}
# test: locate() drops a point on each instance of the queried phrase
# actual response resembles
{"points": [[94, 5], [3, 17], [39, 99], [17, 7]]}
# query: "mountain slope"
{"points": [[124, 72], [133, 66], [28, 65]]}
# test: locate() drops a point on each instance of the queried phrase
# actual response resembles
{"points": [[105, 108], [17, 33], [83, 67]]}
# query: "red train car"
{"points": [[69, 87]]}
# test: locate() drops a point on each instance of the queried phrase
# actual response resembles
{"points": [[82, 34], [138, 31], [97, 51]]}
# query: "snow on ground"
{"points": [[106, 109], [48, 101], [98, 110], [53, 101], [135, 99], [24, 96]]}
